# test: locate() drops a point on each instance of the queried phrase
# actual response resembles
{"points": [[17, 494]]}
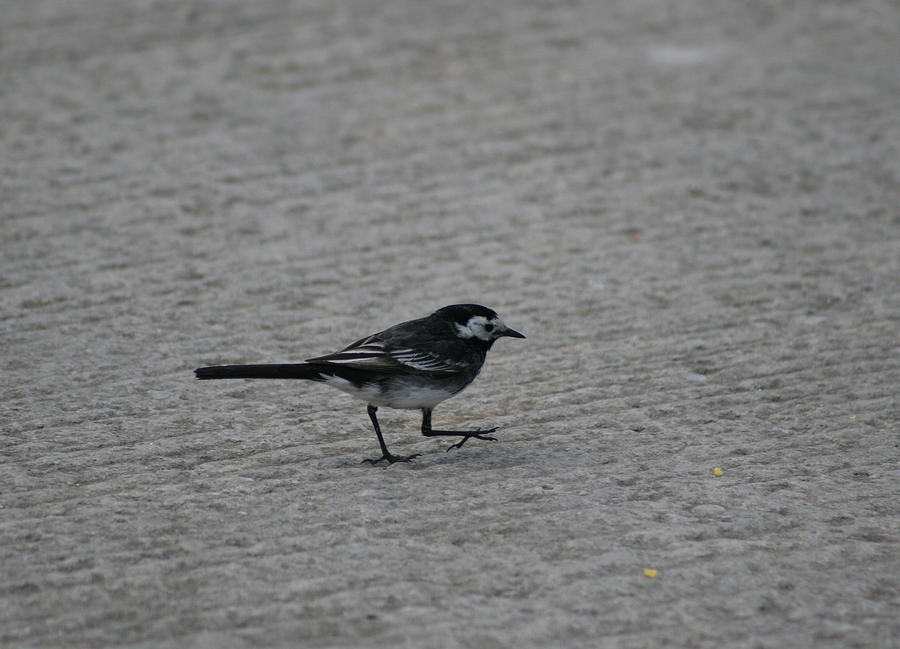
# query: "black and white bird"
{"points": [[413, 365]]}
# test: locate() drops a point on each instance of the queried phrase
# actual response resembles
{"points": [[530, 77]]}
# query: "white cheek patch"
{"points": [[475, 328]]}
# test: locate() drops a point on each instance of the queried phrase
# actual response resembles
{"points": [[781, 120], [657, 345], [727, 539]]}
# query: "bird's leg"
{"points": [[385, 453], [465, 434]]}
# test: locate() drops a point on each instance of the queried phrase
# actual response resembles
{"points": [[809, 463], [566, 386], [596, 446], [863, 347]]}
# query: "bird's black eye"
{"points": [[489, 328]]}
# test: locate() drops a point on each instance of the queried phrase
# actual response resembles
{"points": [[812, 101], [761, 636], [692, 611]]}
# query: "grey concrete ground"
{"points": [[691, 208]]}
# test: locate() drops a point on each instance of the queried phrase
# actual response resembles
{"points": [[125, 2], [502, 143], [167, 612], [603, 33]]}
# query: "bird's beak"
{"points": [[512, 333]]}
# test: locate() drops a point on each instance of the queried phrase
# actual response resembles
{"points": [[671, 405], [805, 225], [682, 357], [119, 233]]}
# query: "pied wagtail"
{"points": [[412, 365]]}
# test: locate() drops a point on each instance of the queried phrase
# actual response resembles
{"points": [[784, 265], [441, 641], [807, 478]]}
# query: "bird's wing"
{"points": [[425, 361], [364, 351], [374, 353]]}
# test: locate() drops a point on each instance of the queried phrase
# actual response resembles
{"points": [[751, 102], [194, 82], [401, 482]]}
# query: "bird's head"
{"points": [[476, 322]]}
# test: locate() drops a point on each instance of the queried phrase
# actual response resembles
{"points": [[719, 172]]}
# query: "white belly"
{"points": [[410, 397]]}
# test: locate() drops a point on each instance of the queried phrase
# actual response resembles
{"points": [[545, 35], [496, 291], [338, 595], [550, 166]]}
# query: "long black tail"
{"points": [[291, 371]]}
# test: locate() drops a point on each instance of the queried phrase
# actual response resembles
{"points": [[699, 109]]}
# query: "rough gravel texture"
{"points": [[690, 208]]}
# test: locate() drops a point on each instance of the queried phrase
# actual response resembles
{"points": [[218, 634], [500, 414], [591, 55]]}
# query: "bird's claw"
{"points": [[477, 434], [390, 458]]}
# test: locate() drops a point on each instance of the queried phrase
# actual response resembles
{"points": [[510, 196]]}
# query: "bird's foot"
{"points": [[477, 434], [390, 458]]}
